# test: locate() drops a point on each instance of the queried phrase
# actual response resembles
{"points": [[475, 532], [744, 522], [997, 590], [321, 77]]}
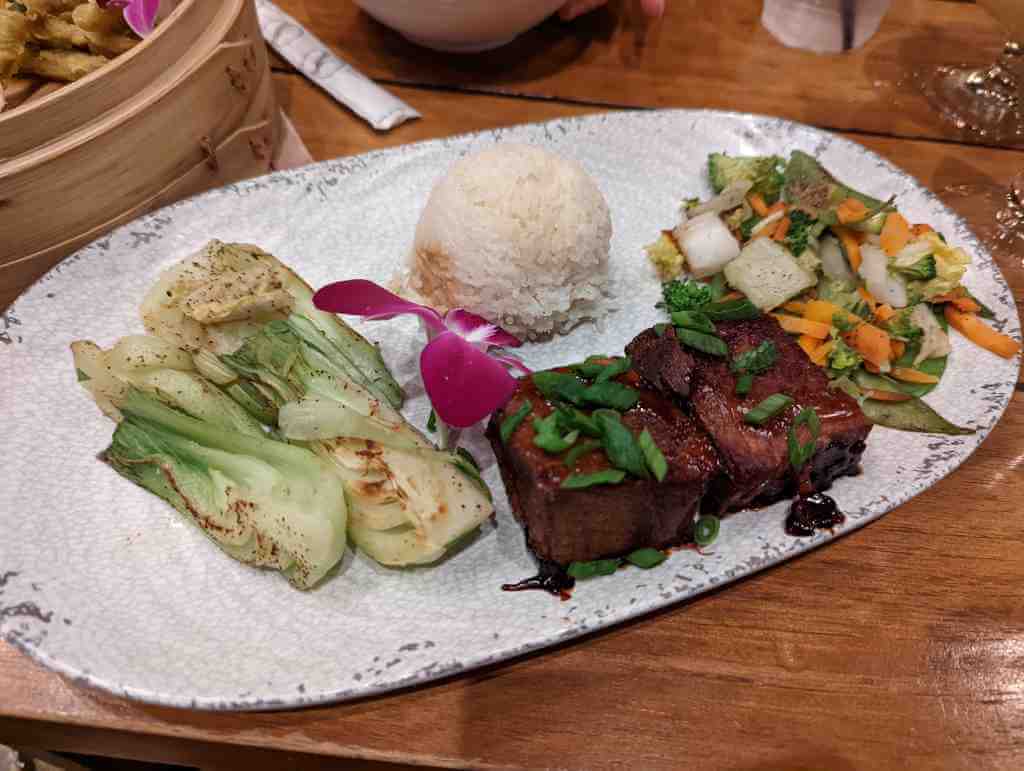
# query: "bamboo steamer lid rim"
{"points": [[70, 90]]}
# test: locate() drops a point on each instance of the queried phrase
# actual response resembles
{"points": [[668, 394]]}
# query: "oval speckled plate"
{"points": [[108, 585]]}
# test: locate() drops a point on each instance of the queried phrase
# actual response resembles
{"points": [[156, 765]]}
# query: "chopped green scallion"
{"points": [[767, 409], [512, 422]]}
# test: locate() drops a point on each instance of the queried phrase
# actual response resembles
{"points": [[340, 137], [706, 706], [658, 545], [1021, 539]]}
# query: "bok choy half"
{"points": [[240, 346], [264, 502]]}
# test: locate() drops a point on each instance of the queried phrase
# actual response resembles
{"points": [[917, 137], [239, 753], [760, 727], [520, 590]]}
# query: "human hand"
{"points": [[574, 8]]}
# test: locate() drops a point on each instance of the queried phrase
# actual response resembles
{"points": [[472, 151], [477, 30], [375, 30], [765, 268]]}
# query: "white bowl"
{"points": [[463, 26]]}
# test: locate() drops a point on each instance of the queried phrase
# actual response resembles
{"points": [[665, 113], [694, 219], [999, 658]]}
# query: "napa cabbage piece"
{"points": [[225, 293], [264, 502], [950, 266]]}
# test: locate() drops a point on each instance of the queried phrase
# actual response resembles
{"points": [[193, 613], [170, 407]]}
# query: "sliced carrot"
{"points": [[825, 312], [872, 368], [809, 344], [949, 297], [851, 210], [795, 306], [921, 228], [731, 296], [872, 343], [966, 304], [884, 312], [895, 233], [800, 326], [909, 375], [820, 355], [851, 245], [980, 333], [867, 297], [758, 205], [898, 349], [781, 229], [887, 396]]}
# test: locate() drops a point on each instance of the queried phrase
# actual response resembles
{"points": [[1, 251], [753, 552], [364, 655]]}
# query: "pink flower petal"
{"points": [[478, 330], [140, 15], [511, 361], [464, 384], [360, 297]]}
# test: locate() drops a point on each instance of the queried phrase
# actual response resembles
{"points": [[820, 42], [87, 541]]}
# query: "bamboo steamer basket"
{"points": [[190, 108]]}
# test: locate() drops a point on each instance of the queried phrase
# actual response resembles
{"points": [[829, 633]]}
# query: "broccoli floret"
{"points": [[764, 171], [686, 295], [900, 326], [843, 358], [922, 270], [802, 228]]}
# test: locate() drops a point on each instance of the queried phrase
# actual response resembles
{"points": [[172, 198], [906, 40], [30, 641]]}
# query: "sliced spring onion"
{"points": [[767, 409], [744, 383], [757, 360], [570, 419], [799, 453], [706, 530], [560, 386], [618, 367], [512, 422], [612, 476], [694, 320], [702, 342], [553, 443], [652, 455], [622, 448], [611, 394], [592, 367], [580, 450], [646, 558], [584, 570]]}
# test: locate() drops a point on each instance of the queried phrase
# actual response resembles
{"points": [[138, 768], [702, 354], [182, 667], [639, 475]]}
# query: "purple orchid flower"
{"points": [[140, 15], [464, 380]]}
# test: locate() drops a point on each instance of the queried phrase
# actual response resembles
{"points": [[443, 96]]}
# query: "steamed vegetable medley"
{"points": [[274, 426], [870, 294]]}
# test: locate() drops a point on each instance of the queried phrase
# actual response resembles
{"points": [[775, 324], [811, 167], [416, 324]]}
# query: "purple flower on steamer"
{"points": [[140, 15], [464, 379]]}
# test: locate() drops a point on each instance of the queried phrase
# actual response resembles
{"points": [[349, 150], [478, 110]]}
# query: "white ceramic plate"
{"points": [[108, 585]]}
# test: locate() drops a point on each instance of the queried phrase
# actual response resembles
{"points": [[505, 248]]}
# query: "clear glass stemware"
{"points": [[984, 102]]}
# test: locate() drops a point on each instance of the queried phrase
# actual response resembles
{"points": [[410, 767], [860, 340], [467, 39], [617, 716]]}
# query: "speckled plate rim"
{"points": [[881, 506]]}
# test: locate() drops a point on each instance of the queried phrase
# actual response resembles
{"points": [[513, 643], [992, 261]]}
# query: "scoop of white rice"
{"points": [[517, 235]]}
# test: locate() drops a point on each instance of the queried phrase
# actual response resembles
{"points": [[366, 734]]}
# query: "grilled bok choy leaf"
{"points": [[264, 502], [407, 501], [225, 293]]}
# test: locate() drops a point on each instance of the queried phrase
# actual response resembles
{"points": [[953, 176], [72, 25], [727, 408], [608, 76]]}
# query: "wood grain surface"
{"points": [[900, 645], [701, 54]]}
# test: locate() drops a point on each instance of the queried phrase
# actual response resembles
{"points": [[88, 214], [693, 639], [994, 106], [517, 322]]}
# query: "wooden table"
{"points": [[900, 645]]}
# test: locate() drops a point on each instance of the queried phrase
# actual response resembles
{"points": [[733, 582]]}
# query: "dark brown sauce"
{"points": [[551, 578], [816, 511]]}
